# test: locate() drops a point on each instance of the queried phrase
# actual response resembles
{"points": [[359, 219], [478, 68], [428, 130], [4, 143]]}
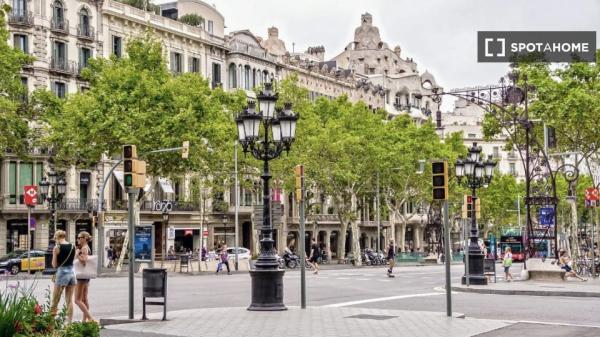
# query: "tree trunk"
{"points": [[573, 242], [355, 244]]}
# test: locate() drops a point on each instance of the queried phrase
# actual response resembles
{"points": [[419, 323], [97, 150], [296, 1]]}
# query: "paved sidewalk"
{"points": [[570, 288], [314, 321]]}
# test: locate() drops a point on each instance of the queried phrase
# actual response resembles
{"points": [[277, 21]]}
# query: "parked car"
{"points": [[17, 261], [243, 253]]}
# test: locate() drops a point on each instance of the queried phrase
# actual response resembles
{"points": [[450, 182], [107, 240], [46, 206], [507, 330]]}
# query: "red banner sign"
{"points": [[31, 195]]}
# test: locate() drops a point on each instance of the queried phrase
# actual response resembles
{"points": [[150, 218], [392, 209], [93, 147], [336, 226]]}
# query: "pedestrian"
{"points": [[110, 256], [218, 258], [63, 255], [507, 263], [314, 256], [203, 253], [391, 256], [224, 257], [564, 261], [81, 289]]}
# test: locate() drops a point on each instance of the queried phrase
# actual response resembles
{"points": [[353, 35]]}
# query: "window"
{"points": [[19, 7], [232, 76], [59, 89], [116, 45], [210, 26], [247, 77], [21, 43], [176, 65], [84, 23], [59, 55], [24, 82], [471, 135], [216, 75], [84, 56], [21, 174], [194, 65], [58, 16], [512, 169], [496, 152]]}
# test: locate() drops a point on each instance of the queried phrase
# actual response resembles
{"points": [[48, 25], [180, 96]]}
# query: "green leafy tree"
{"points": [[143, 5], [498, 203], [192, 19], [13, 117]]}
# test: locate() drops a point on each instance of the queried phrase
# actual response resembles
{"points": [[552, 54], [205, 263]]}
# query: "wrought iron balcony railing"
{"points": [[62, 65], [20, 18], [85, 32], [59, 25]]}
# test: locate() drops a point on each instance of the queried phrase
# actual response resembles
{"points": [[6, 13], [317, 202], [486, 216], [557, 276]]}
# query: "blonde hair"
{"points": [[86, 235], [508, 250], [60, 234]]}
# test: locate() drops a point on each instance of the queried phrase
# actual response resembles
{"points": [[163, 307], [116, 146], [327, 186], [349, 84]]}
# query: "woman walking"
{"points": [[83, 283], [507, 263], [63, 255]]}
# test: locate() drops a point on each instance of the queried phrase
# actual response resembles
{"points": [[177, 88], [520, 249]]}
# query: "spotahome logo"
{"points": [[536, 46]]}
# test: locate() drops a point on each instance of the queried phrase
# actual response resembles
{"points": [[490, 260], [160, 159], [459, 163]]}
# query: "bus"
{"points": [[515, 242]]}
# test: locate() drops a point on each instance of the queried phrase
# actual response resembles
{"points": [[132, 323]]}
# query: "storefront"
{"points": [[16, 235], [186, 239]]}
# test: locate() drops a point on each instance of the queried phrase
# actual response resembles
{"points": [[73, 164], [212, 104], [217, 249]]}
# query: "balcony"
{"points": [[60, 26], [20, 19], [85, 32], [63, 66], [77, 205]]}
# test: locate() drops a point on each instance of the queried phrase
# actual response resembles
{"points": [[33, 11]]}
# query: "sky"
{"points": [[440, 35]]}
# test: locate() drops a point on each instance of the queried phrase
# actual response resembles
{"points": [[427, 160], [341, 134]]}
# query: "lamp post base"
{"points": [[475, 268], [267, 290]]}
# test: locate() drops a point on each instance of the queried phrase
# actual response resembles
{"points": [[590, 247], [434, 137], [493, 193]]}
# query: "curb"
{"points": [[526, 292]]}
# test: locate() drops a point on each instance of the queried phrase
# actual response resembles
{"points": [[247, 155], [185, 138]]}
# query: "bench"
{"points": [[544, 270]]}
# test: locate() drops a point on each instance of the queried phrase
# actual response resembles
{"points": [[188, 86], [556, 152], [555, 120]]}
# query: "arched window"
{"points": [[84, 22], [398, 99], [58, 12], [232, 76], [254, 80], [247, 77]]}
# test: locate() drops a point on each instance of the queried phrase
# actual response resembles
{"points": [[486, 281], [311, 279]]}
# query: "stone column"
{"points": [[71, 230], [402, 237], [328, 243]]}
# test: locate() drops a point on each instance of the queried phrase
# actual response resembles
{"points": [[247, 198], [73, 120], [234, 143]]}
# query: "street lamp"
{"points": [[280, 127], [475, 173], [52, 190]]}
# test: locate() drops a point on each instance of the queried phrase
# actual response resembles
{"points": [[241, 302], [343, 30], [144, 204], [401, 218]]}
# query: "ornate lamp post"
{"points": [[52, 190], [225, 218], [277, 134], [475, 173]]}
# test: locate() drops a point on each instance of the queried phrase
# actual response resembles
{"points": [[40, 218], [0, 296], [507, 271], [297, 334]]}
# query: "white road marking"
{"points": [[559, 323], [379, 299]]}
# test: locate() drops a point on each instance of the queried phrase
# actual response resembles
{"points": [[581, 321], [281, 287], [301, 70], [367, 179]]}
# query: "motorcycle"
{"points": [[290, 259]]}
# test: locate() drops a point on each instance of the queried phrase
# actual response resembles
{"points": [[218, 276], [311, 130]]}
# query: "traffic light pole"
{"points": [[302, 246], [447, 260], [131, 193]]}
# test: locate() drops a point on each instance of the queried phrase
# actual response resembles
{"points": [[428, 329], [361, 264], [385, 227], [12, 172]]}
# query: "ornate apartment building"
{"points": [[64, 34]]}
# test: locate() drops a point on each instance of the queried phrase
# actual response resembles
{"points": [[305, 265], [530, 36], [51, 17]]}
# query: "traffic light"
{"points": [[134, 170], [298, 174], [439, 171], [467, 207]]}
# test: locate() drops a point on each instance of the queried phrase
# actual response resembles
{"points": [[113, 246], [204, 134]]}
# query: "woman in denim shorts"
{"points": [[62, 259]]}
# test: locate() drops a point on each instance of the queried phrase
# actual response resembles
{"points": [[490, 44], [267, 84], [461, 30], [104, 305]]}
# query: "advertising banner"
{"points": [[143, 243]]}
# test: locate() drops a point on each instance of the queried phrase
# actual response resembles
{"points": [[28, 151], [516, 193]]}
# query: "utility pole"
{"points": [[447, 260], [131, 193], [237, 202], [299, 175]]}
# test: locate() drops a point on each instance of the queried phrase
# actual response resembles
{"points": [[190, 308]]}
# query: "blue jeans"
{"points": [[65, 276]]}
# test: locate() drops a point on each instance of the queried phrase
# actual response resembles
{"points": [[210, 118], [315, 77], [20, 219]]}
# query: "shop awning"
{"points": [[119, 176], [165, 185]]}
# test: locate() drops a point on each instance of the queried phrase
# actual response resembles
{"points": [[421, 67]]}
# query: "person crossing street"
{"points": [[391, 256]]}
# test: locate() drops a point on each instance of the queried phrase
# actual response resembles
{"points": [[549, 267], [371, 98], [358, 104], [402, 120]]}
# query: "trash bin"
{"points": [[154, 282]]}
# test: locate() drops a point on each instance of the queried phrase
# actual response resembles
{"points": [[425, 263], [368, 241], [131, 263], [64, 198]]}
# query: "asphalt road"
{"points": [[413, 288]]}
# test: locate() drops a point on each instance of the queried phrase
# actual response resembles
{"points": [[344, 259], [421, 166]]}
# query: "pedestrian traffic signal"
{"points": [[298, 174], [134, 170], [439, 171]]}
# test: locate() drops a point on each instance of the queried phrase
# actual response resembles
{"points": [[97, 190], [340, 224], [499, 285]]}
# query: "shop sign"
{"points": [[171, 235]]}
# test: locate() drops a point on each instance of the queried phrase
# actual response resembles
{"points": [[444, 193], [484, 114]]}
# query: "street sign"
{"points": [[31, 195], [547, 217], [591, 197]]}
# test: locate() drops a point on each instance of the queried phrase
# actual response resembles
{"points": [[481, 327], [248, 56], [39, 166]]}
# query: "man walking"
{"points": [[391, 256], [314, 255]]}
